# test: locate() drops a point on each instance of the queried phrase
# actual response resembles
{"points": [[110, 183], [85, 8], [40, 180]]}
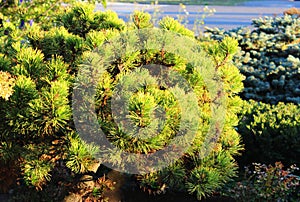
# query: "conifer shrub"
{"points": [[270, 133], [169, 23], [269, 58], [81, 19], [40, 150], [44, 13], [141, 20], [190, 173], [39, 141]]}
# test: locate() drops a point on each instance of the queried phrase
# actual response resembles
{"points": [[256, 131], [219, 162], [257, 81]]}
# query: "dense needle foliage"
{"points": [[40, 147]]}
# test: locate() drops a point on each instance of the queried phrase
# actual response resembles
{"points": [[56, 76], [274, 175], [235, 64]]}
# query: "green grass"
{"points": [[187, 2]]}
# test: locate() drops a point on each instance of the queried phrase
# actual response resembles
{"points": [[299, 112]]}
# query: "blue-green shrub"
{"points": [[269, 58]]}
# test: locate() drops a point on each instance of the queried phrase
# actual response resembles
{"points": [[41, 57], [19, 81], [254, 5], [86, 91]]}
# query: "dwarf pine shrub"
{"points": [[39, 146], [39, 140], [191, 173]]}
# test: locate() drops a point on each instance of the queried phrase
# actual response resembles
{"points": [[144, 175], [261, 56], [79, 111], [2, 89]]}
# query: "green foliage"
{"points": [[203, 181], [171, 24], [141, 20], [15, 121], [20, 13], [153, 96], [36, 122], [58, 41], [30, 63], [81, 19], [36, 172], [38, 64], [270, 133], [222, 52], [266, 183], [11, 38], [269, 58], [80, 155], [24, 13], [54, 102]]}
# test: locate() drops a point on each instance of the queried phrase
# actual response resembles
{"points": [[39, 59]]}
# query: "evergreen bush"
{"points": [[44, 13], [39, 142], [190, 173], [81, 19], [270, 133], [269, 58], [269, 124], [40, 149]]}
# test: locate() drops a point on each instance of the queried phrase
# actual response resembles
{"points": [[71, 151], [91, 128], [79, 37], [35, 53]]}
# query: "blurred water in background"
{"points": [[226, 17]]}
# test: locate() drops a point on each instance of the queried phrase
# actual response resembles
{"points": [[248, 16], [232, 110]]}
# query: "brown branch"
{"points": [[223, 62]]}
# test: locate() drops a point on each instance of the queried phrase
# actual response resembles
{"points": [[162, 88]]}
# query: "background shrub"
{"points": [[269, 122], [269, 58], [270, 133]]}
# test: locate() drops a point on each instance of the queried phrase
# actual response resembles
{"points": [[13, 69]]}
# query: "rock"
{"points": [[86, 181], [73, 198], [94, 167]]}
